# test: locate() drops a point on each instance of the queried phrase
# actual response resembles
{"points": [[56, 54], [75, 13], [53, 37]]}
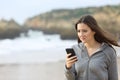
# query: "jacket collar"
{"points": [[102, 47]]}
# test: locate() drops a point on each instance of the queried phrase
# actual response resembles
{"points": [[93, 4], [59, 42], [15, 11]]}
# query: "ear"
{"points": [[94, 32]]}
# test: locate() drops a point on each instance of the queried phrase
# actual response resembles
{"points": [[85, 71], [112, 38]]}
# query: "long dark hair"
{"points": [[100, 35]]}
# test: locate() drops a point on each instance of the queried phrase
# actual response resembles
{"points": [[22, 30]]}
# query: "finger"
{"points": [[73, 57], [72, 61], [68, 55]]}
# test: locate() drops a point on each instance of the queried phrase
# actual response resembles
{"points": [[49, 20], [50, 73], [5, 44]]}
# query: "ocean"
{"points": [[35, 48]]}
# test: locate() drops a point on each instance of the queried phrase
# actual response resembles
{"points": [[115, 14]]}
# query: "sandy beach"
{"points": [[43, 71]]}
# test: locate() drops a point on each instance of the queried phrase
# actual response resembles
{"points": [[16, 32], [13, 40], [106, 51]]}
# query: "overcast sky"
{"points": [[20, 10]]}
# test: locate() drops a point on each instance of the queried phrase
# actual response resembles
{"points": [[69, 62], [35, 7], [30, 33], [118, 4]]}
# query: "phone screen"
{"points": [[70, 50]]}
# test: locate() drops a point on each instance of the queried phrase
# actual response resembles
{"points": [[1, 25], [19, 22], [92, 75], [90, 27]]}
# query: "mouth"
{"points": [[82, 38]]}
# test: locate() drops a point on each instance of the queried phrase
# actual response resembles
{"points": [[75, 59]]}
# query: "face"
{"points": [[84, 32]]}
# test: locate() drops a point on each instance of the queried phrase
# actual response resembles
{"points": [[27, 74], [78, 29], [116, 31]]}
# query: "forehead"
{"points": [[82, 26]]}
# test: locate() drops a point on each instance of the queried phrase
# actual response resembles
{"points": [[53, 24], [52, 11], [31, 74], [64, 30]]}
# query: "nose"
{"points": [[80, 34]]}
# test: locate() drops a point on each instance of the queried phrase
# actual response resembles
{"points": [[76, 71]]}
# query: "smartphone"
{"points": [[70, 50]]}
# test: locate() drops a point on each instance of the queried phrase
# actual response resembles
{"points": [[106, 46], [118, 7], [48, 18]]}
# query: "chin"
{"points": [[83, 41]]}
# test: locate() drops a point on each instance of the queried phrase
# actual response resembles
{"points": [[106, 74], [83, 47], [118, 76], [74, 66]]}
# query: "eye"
{"points": [[84, 30], [78, 30]]}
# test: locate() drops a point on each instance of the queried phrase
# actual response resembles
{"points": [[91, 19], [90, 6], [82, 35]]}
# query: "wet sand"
{"points": [[47, 71], [43, 71]]}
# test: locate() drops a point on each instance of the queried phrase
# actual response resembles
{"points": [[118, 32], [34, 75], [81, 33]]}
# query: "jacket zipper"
{"points": [[88, 69], [89, 63]]}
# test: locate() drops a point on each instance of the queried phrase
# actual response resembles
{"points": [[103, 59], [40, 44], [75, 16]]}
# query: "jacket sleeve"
{"points": [[112, 69], [70, 74]]}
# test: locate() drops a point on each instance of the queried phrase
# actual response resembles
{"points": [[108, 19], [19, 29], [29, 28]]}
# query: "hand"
{"points": [[70, 60]]}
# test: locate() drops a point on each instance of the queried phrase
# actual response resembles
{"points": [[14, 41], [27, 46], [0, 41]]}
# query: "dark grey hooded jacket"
{"points": [[102, 65]]}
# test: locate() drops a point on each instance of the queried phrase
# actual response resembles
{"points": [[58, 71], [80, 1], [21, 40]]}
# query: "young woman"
{"points": [[95, 57]]}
